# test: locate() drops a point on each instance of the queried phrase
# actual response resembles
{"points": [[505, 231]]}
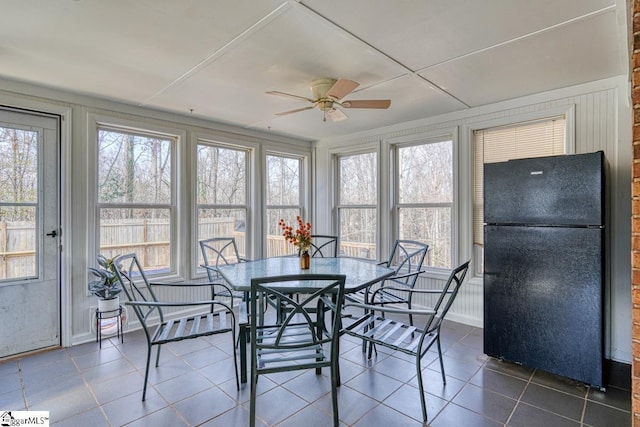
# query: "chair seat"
{"points": [[191, 327], [388, 332], [293, 343]]}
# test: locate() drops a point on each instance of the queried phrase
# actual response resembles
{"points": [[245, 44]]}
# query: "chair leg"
{"points": [[252, 403], [444, 379], [146, 373], [423, 403], [235, 360], [243, 338], [334, 393], [158, 355]]}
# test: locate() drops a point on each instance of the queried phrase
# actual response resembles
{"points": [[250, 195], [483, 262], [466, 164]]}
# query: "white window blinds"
{"points": [[529, 139]]}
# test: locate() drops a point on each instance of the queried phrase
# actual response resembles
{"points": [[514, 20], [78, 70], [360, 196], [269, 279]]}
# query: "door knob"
{"points": [[54, 233]]}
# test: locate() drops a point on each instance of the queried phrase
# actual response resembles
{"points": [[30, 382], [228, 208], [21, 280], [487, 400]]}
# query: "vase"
{"points": [[305, 260]]}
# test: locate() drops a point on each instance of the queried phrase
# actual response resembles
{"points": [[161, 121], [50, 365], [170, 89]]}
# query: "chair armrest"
{"points": [[178, 304], [417, 291], [403, 276], [178, 284], [389, 309]]}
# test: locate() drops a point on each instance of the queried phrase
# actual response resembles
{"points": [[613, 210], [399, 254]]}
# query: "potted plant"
{"points": [[107, 286]]}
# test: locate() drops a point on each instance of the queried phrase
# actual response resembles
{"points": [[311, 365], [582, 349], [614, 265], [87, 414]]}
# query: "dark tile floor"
{"points": [[194, 385]]}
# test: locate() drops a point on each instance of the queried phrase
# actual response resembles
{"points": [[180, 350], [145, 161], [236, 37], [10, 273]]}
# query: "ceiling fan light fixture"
{"points": [[325, 105]]}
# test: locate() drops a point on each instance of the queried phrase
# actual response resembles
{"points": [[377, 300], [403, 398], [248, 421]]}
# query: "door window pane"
{"points": [[18, 203]]}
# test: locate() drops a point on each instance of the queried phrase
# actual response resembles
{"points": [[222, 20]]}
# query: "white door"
{"points": [[29, 232]]}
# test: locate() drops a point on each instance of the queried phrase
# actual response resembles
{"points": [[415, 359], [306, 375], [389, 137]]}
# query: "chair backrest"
{"points": [[136, 286], [323, 246], [406, 258], [218, 251], [448, 295], [317, 293]]}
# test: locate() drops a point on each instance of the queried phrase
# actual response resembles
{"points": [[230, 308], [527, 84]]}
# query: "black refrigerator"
{"points": [[544, 263]]}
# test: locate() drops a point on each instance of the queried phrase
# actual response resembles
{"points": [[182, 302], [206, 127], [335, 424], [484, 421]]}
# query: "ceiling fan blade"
{"points": [[336, 115], [295, 111], [342, 88], [288, 95], [367, 103]]}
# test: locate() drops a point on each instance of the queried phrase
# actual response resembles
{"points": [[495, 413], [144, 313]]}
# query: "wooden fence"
{"points": [[149, 239]]}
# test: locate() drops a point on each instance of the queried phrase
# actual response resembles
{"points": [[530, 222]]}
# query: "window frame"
{"points": [[337, 206], [442, 135], [139, 128], [303, 192], [568, 111], [197, 271]]}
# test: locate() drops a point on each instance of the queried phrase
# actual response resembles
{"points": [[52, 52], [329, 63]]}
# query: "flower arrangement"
{"points": [[107, 286], [302, 235]]}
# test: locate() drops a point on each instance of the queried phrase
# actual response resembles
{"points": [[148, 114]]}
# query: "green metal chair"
{"points": [[158, 328], [323, 246], [307, 338], [407, 257], [378, 328], [216, 252]]}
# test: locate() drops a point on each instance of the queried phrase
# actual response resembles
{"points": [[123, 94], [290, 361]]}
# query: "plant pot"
{"points": [[108, 304]]}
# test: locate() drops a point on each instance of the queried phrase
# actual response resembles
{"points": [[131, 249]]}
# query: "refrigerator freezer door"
{"points": [[558, 190], [543, 299]]}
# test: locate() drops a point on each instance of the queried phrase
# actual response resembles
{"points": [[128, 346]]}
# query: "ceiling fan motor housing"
{"points": [[320, 87]]}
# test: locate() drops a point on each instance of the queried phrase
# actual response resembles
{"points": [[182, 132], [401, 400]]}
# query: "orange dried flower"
{"points": [[302, 236]]}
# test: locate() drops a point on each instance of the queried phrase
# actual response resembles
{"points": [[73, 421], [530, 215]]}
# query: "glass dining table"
{"points": [[359, 274]]}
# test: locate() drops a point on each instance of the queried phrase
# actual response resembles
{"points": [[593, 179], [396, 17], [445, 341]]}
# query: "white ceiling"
{"points": [[216, 59]]}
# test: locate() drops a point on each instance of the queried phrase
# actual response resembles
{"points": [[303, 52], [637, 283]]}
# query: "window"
{"points": [[19, 194], [424, 198], [221, 193], [357, 200], [136, 203], [518, 141], [284, 200]]}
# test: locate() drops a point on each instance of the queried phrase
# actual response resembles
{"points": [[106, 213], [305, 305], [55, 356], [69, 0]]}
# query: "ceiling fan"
{"points": [[327, 95]]}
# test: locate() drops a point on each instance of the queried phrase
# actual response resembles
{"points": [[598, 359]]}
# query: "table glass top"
{"points": [[359, 273]]}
